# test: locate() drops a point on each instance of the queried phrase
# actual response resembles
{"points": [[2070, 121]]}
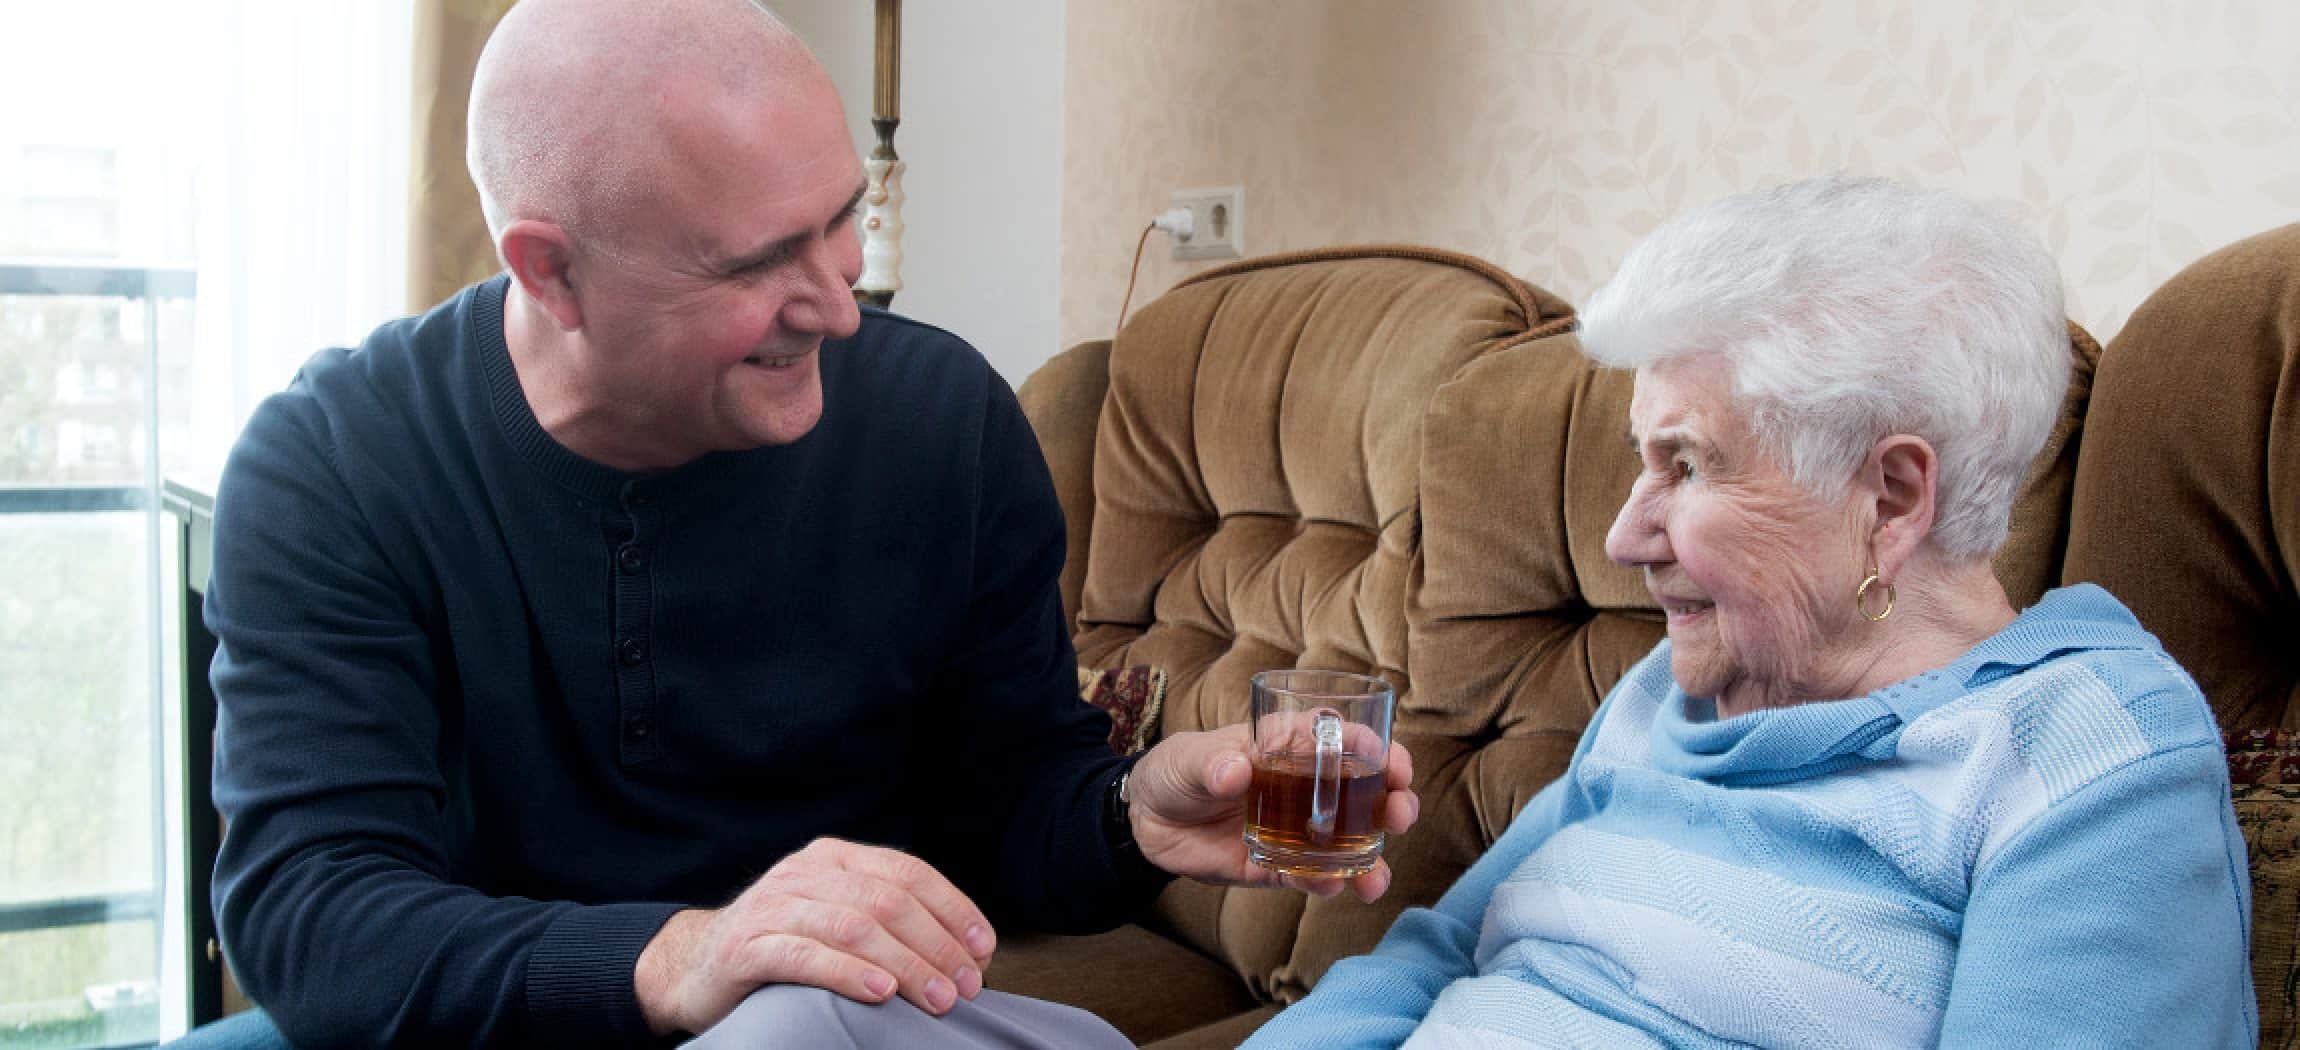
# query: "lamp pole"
{"points": [[882, 198]]}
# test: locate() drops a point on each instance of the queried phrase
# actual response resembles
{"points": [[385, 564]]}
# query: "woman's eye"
{"points": [[1685, 470]]}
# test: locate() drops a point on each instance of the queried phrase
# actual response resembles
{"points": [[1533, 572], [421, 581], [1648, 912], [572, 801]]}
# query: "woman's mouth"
{"points": [[1679, 611]]}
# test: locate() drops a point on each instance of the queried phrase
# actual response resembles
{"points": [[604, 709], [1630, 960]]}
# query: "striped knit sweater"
{"points": [[2029, 847]]}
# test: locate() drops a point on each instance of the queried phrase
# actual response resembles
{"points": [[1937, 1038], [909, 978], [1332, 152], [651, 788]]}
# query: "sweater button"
{"points": [[637, 729], [631, 559], [632, 652]]}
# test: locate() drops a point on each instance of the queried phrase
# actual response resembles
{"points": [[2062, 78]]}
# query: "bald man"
{"points": [[645, 633]]}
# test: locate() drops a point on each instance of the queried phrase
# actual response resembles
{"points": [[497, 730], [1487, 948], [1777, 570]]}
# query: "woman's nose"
{"points": [[1636, 538]]}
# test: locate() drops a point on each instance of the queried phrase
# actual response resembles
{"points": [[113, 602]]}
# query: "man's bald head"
{"points": [[573, 100]]}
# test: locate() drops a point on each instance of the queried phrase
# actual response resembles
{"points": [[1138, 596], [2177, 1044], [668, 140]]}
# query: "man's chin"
{"points": [[783, 424], [791, 432], [777, 406]]}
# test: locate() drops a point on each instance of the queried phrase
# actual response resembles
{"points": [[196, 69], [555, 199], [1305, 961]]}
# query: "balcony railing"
{"points": [[148, 285]]}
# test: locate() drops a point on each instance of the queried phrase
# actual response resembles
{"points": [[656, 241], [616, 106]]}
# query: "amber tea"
{"points": [[1287, 821], [1320, 742]]}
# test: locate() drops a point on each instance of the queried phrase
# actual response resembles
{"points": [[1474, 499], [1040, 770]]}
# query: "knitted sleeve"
{"points": [[332, 889], [1378, 999], [1027, 762], [2111, 921]]}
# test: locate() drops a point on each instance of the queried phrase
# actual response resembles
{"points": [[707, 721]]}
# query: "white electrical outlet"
{"points": [[1215, 219]]}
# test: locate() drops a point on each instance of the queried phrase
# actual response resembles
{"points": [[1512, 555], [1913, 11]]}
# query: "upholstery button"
{"points": [[632, 652], [637, 729], [631, 559]]}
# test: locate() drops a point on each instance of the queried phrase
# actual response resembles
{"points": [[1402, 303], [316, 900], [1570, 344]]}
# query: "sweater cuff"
{"points": [[581, 987]]}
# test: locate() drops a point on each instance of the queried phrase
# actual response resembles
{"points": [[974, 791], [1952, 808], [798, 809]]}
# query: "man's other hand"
{"points": [[1188, 798], [861, 921]]}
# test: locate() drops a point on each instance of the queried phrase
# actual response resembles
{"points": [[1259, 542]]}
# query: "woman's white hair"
{"points": [[1850, 309]]}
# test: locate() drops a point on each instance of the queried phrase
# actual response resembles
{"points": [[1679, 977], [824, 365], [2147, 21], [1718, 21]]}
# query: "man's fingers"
{"points": [[1371, 885], [1359, 738], [1400, 768], [1315, 887], [879, 921], [1193, 778], [1228, 774], [961, 922], [784, 958], [870, 925], [1399, 811]]}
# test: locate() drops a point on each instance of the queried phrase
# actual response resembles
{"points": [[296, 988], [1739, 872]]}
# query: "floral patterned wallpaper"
{"points": [[1547, 135]]}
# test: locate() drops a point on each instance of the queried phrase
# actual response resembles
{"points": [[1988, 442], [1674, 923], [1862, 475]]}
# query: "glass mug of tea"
{"points": [[1320, 741]]}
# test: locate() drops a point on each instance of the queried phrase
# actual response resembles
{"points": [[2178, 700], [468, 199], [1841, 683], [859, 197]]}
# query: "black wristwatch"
{"points": [[1140, 880], [1117, 816]]}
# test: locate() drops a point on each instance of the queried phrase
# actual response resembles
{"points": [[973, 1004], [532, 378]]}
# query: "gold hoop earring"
{"points": [[1861, 599]]}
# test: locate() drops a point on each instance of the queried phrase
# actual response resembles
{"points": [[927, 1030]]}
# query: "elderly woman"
{"points": [[1853, 799]]}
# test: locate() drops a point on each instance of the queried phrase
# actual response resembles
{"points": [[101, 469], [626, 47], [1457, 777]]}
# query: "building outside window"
{"points": [[193, 198]]}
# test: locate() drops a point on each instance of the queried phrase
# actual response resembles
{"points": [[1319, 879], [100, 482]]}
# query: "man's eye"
{"points": [[1684, 469]]}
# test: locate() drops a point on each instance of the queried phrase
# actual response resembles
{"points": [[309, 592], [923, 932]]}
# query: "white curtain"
{"points": [[300, 159], [261, 143]]}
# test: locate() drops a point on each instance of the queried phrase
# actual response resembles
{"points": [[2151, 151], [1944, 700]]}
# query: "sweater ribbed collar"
{"points": [[1690, 740]]}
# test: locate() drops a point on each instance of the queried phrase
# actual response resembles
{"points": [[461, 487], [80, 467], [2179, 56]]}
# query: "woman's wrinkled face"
{"points": [[1755, 575]]}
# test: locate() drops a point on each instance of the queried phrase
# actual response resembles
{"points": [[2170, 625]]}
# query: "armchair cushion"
{"points": [[1256, 496]]}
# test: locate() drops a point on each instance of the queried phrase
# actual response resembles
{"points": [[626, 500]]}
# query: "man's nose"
{"points": [[826, 304]]}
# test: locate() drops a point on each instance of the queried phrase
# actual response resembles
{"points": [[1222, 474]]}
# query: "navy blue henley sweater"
{"points": [[491, 712]]}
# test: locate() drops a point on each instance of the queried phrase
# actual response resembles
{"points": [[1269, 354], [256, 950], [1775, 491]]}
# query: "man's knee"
{"points": [[770, 1016], [249, 1030], [794, 1015]]}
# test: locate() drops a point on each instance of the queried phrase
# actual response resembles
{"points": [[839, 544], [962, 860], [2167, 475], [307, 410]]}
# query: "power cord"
{"points": [[1178, 224]]}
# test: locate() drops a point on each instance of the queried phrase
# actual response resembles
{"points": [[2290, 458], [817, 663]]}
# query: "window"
{"points": [[193, 198]]}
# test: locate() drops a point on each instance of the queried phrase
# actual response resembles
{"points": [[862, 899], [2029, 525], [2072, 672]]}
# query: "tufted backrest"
{"points": [[1256, 480], [1390, 460], [2187, 503]]}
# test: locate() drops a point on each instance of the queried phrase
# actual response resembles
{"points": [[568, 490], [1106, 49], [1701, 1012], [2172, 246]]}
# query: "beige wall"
{"points": [[982, 135], [1547, 135]]}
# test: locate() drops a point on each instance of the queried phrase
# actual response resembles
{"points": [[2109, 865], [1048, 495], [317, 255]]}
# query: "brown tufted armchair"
{"points": [[1397, 460]]}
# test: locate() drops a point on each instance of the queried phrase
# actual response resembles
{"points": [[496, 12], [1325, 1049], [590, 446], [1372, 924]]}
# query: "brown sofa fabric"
{"points": [[2187, 502], [1063, 401], [1255, 483]]}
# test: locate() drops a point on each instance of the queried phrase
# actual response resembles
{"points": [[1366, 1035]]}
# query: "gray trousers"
{"points": [[791, 1015]]}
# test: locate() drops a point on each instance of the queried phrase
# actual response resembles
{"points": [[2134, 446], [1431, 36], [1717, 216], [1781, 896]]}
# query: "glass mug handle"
{"points": [[1326, 789]]}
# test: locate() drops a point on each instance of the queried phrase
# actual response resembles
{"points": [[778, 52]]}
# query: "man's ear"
{"points": [[539, 257], [1903, 473]]}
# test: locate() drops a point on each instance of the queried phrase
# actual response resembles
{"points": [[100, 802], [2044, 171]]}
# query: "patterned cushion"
{"points": [[1132, 697], [2264, 770]]}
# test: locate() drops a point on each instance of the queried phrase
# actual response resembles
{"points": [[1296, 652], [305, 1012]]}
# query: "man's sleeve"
{"points": [[1023, 836], [1378, 999], [2118, 918], [332, 889]]}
